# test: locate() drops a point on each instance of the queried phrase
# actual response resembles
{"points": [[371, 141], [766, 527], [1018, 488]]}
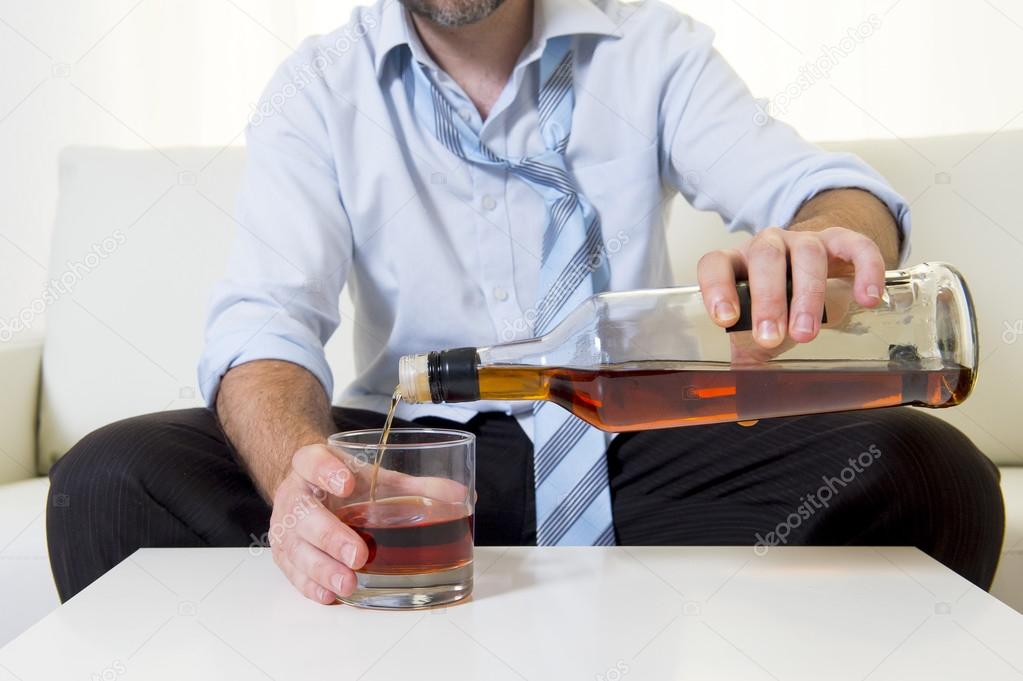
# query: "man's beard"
{"points": [[452, 13]]}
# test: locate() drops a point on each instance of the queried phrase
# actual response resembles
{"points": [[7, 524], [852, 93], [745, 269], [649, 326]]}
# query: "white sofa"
{"points": [[124, 339]]}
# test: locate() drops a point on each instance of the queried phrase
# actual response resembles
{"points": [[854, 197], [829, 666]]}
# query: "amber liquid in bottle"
{"points": [[644, 395]]}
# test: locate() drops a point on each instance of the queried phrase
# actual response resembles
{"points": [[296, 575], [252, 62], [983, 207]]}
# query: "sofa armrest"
{"points": [[19, 402]]}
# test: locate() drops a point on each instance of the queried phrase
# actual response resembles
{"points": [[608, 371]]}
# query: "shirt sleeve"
{"points": [[293, 244], [724, 152]]}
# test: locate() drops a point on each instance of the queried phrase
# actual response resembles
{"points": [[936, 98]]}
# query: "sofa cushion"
{"points": [[26, 587], [1008, 586], [140, 238], [19, 366]]}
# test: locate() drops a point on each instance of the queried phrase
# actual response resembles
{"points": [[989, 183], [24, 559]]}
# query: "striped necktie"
{"points": [[573, 500]]}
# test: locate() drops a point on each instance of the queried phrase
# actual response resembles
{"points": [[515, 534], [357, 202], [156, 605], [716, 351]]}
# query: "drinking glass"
{"points": [[417, 522]]}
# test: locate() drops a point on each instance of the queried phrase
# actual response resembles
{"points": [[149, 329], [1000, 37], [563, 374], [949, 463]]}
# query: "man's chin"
{"points": [[452, 13]]}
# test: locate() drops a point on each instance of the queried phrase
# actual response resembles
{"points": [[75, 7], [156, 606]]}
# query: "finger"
{"points": [[766, 260], [809, 262], [359, 464], [319, 567], [716, 274], [322, 529], [317, 465], [746, 351], [866, 258], [302, 582], [293, 500]]}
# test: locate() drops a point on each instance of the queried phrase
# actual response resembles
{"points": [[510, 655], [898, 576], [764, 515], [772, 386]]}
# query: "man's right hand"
{"points": [[316, 551]]}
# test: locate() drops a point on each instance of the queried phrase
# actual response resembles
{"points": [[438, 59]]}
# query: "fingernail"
{"points": [[725, 311], [768, 331], [337, 479], [348, 555], [874, 292], [804, 323], [321, 593], [337, 582]]}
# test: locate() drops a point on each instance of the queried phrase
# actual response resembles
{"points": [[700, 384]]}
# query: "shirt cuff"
{"points": [[230, 351]]}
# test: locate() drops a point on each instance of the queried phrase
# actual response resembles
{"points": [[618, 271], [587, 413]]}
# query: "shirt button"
{"points": [[489, 202], [464, 113], [500, 294]]}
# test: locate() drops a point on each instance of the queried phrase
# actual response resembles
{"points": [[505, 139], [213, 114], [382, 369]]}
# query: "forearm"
{"points": [[268, 410], [856, 210]]}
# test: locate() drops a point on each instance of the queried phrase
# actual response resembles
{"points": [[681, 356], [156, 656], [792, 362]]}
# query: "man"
{"points": [[439, 155]]}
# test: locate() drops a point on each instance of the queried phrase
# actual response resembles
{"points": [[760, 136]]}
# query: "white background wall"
{"points": [[164, 72]]}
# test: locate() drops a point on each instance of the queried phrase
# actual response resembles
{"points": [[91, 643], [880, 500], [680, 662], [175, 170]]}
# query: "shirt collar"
{"points": [[551, 18]]}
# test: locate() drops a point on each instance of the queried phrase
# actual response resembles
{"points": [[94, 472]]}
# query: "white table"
{"points": [[590, 613]]}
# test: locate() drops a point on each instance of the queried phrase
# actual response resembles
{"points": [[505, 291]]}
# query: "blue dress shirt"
{"points": [[343, 186]]}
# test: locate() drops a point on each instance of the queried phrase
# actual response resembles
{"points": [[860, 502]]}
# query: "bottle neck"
{"points": [[441, 376]]}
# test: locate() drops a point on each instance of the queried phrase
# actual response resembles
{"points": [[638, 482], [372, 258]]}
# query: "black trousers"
{"points": [[887, 477]]}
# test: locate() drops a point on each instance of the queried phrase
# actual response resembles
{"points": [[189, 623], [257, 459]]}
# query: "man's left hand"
{"points": [[765, 260]]}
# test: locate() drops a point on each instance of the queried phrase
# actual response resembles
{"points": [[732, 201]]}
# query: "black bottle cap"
{"points": [[745, 321], [453, 375]]}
